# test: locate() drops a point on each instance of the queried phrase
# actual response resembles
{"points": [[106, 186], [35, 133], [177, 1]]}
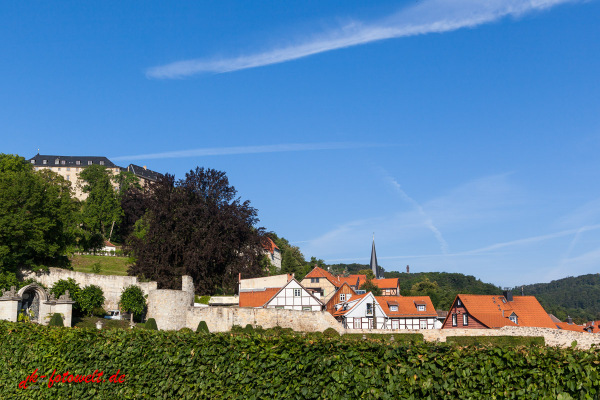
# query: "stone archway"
{"points": [[32, 296]]}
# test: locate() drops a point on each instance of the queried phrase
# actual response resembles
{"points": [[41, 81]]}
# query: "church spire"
{"points": [[374, 260]]}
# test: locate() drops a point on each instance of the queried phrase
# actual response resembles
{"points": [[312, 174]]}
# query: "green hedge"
{"points": [[175, 365], [386, 337], [496, 340]]}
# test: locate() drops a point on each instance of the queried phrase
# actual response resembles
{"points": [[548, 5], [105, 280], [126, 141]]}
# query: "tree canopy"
{"points": [[102, 209], [37, 216], [197, 226]]}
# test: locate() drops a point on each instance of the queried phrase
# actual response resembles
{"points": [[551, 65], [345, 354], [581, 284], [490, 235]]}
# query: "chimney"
{"points": [[507, 294], [569, 320]]}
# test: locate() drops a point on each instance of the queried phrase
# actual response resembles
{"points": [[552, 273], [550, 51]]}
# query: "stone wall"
{"points": [[112, 285], [221, 319]]}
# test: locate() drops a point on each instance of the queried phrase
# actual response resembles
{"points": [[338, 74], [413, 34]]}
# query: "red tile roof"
{"points": [[350, 280], [269, 245], [361, 279], [570, 327], [257, 298], [390, 283], [493, 312], [108, 244], [407, 306], [318, 272]]}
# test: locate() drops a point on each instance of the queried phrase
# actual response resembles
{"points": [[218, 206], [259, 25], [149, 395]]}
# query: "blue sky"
{"points": [[464, 133]]}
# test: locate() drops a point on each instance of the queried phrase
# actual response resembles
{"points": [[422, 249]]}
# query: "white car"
{"points": [[114, 314]]}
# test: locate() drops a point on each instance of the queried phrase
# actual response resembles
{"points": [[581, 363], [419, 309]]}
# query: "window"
{"points": [[63, 162], [342, 296], [44, 162], [306, 309], [314, 280], [458, 303], [503, 300], [78, 162], [513, 318], [90, 162], [356, 323], [68, 169], [297, 293], [421, 307], [101, 162], [33, 161], [68, 177], [279, 307], [56, 161], [423, 324], [465, 319], [454, 322], [393, 308], [369, 308], [58, 168], [37, 169]]}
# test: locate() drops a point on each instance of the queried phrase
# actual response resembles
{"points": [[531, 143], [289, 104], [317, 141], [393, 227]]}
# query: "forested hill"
{"points": [[578, 297]]}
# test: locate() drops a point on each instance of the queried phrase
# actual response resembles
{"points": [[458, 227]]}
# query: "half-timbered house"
{"points": [[343, 294]]}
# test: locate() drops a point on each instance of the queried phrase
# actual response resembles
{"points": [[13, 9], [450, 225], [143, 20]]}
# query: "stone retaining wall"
{"points": [[112, 285]]}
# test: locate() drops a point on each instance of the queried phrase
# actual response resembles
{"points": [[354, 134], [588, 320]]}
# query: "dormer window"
{"points": [[44, 162], [420, 307], [78, 162], [90, 162], [101, 162], [394, 308], [513, 318], [33, 161], [63, 162], [57, 161]]}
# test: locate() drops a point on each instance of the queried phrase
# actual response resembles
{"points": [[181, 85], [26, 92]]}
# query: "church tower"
{"points": [[374, 267]]}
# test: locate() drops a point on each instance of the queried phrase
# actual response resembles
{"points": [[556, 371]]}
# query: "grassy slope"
{"points": [[108, 265]]}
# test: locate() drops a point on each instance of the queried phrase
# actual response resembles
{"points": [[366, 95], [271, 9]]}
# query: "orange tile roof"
{"points": [[269, 245], [361, 279], [318, 272], [389, 283], [257, 298], [407, 306], [350, 280], [492, 312], [570, 327]]}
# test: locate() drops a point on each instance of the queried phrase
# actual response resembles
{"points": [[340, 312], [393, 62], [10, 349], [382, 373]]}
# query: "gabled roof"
{"points": [[351, 280], [108, 244], [70, 161], [493, 311], [257, 298], [269, 245], [318, 272], [570, 327], [361, 279], [301, 287], [389, 283], [353, 302], [330, 304], [144, 172], [407, 306]]}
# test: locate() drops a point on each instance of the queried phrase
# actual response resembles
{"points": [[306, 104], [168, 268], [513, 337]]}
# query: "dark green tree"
{"points": [[56, 320], [61, 286], [369, 286], [202, 327], [151, 324], [197, 226], [37, 217]]}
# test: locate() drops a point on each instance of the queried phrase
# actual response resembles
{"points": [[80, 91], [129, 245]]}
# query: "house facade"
{"points": [[323, 282], [472, 311], [389, 287], [387, 312], [292, 296], [343, 294]]}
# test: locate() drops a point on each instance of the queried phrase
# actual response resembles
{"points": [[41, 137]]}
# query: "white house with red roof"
{"points": [[366, 311], [292, 296], [272, 252]]}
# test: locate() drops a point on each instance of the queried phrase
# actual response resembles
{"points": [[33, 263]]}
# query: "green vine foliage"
{"points": [[61, 286], [177, 365]]}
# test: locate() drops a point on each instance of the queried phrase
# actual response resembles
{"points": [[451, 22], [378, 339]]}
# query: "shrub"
{"points": [[91, 297], [202, 327], [99, 312], [202, 299], [62, 285], [96, 268], [133, 300], [151, 325], [56, 320], [385, 337], [248, 328], [330, 332], [496, 340], [186, 330]]}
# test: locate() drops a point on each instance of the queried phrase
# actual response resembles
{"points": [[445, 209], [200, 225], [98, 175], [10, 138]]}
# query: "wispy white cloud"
{"points": [[224, 151], [427, 220], [428, 16]]}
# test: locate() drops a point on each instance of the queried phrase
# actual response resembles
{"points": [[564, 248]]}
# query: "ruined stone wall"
{"points": [[168, 308], [112, 285]]}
